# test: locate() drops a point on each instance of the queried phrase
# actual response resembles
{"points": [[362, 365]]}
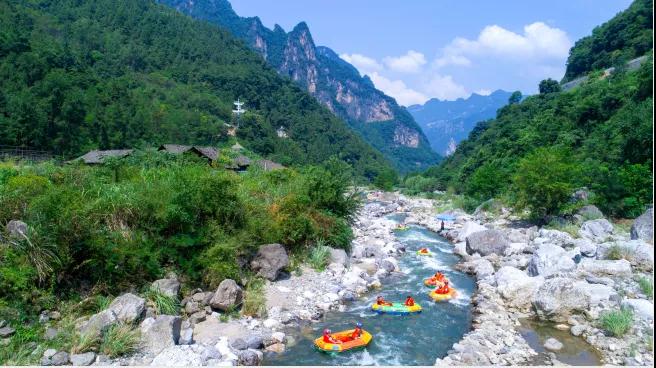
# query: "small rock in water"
{"points": [[276, 348], [562, 327], [553, 344], [577, 330]]}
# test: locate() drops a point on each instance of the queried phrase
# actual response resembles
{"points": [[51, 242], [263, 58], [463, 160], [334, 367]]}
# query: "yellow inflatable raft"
{"points": [[426, 253], [396, 308], [360, 342], [432, 283], [442, 297]]}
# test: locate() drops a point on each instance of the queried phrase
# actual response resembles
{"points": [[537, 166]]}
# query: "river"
{"points": [[398, 340]]}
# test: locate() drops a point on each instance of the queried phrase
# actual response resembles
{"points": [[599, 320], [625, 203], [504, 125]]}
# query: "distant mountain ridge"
{"points": [[334, 82], [446, 123]]}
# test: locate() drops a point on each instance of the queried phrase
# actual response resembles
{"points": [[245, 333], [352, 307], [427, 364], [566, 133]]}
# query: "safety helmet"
{"points": [[358, 324], [327, 331]]}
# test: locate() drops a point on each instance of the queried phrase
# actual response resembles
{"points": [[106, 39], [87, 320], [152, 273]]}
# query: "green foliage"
{"points": [[415, 184], [515, 98], [254, 299], [544, 181], [626, 36], [165, 212], [617, 323], [120, 74], [120, 339], [319, 256], [603, 128], [647, 286], [162, 303], [549, 86], [386, 180], [84, 343]]}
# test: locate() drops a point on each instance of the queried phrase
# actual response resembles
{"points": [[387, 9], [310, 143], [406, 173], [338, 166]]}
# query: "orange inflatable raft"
{"points": [[360, 342], [442, 297]]}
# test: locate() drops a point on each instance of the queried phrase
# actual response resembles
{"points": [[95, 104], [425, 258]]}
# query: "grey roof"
{"points": [[209, 152], [97, 157], [174, 148], [269, 165], [239, 162]]}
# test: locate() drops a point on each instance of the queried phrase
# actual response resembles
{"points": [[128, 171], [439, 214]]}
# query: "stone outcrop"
{"points": [[270, 260], [643, 227], [487, 242], [226, 296]]}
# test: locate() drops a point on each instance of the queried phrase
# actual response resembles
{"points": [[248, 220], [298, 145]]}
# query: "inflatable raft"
{"points": [[361, 342], [442, 297], [426, 253], [395, 308], [401, 228]]}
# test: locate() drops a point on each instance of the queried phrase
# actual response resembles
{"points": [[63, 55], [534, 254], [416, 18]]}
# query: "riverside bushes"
{"points": [[90, 229]]}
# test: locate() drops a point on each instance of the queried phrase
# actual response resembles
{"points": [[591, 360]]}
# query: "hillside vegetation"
{"points": [[628, 35], [117, 74]]}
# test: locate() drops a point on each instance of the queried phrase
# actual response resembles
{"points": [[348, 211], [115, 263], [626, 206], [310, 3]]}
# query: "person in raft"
{"points": [[409, 302], [439, 276], [356, 334], [381, 301], [444, 289], [423, 250], [327, 337]]}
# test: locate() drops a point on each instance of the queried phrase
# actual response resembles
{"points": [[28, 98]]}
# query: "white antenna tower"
{"points": [[238, 110]]}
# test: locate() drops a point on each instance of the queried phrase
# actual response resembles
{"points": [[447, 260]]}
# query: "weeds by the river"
{"points": [[119, 340], [647, 286], [162, 303], [254, 299], [617, 323], [319, 256]]}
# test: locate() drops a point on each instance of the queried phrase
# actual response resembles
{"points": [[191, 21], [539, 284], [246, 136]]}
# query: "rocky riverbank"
{"points": [[522, 271]]}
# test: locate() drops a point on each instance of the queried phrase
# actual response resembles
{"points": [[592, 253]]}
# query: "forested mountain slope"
{"points": [[333, 81], [628, 35], [535, 153], [113, 74]]}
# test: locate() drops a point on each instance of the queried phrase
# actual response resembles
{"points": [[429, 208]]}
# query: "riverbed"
{"points": [[398, 340]]}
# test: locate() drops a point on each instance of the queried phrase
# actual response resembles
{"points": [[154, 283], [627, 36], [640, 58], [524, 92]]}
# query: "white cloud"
{"points": [[398, 89], [411, 62], [538, 42], [444, 88], [364, 64]]}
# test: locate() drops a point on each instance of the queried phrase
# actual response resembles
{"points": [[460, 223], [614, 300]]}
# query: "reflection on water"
{"points": [[575, 350], [398, 340]]}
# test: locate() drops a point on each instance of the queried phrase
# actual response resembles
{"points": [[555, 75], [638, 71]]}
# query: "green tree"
{"points": [[544, 181], [515, 98], [386, 179], [549, 86]]}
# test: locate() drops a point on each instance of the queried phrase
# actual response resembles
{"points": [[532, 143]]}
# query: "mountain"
{"points": [[119, 74], [626, 36], [599, 135], [446, 123], [333, 81]]}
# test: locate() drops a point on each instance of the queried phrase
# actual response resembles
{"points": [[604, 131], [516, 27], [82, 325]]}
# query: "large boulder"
{"points": [[338, 256], [590, 212], [550, 259], [469, 228], [128, 307], [620, 267], [642, 308], [227, 295], [270, 259], [549, 236], [559, 297], [487, 242], [598, 230], [643, 227], [169, 287], [516, 287], [98, 323], [160, 333], [17, 229], [83, 359], [587, 247]]}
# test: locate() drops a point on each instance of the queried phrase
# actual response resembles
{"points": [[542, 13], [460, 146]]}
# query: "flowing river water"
{"points": [[398, 340]]}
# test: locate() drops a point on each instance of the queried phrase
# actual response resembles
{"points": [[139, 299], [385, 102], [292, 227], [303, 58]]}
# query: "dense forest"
{"points": [[536, 152], [75, 76], [628, 35]]}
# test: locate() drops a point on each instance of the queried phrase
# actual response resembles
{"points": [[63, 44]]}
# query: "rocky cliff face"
{"points": [[334, 82]]}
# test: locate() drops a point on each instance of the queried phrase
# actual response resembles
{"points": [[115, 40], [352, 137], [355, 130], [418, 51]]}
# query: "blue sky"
{"points": [[416, 50]]}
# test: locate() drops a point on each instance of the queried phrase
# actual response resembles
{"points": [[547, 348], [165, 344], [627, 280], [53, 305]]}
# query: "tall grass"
{"points": [[647, 286], [162, 303], [319, 256], [120, 339], [254, 299], [617, 323]]}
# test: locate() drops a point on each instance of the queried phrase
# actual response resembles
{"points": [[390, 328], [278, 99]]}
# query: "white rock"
{"points": [[641, 308], [553, 344], [271, 323], [469, 228], [620, 267], [598, 230], [278, 337], [516, 287], [550, 259]]}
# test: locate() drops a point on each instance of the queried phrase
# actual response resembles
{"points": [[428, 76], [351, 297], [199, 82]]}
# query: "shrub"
{"points": [[162, 303], [386, 179], [618, 322], [84, 343], [120, 339], [544, 181], [647, 286]]}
